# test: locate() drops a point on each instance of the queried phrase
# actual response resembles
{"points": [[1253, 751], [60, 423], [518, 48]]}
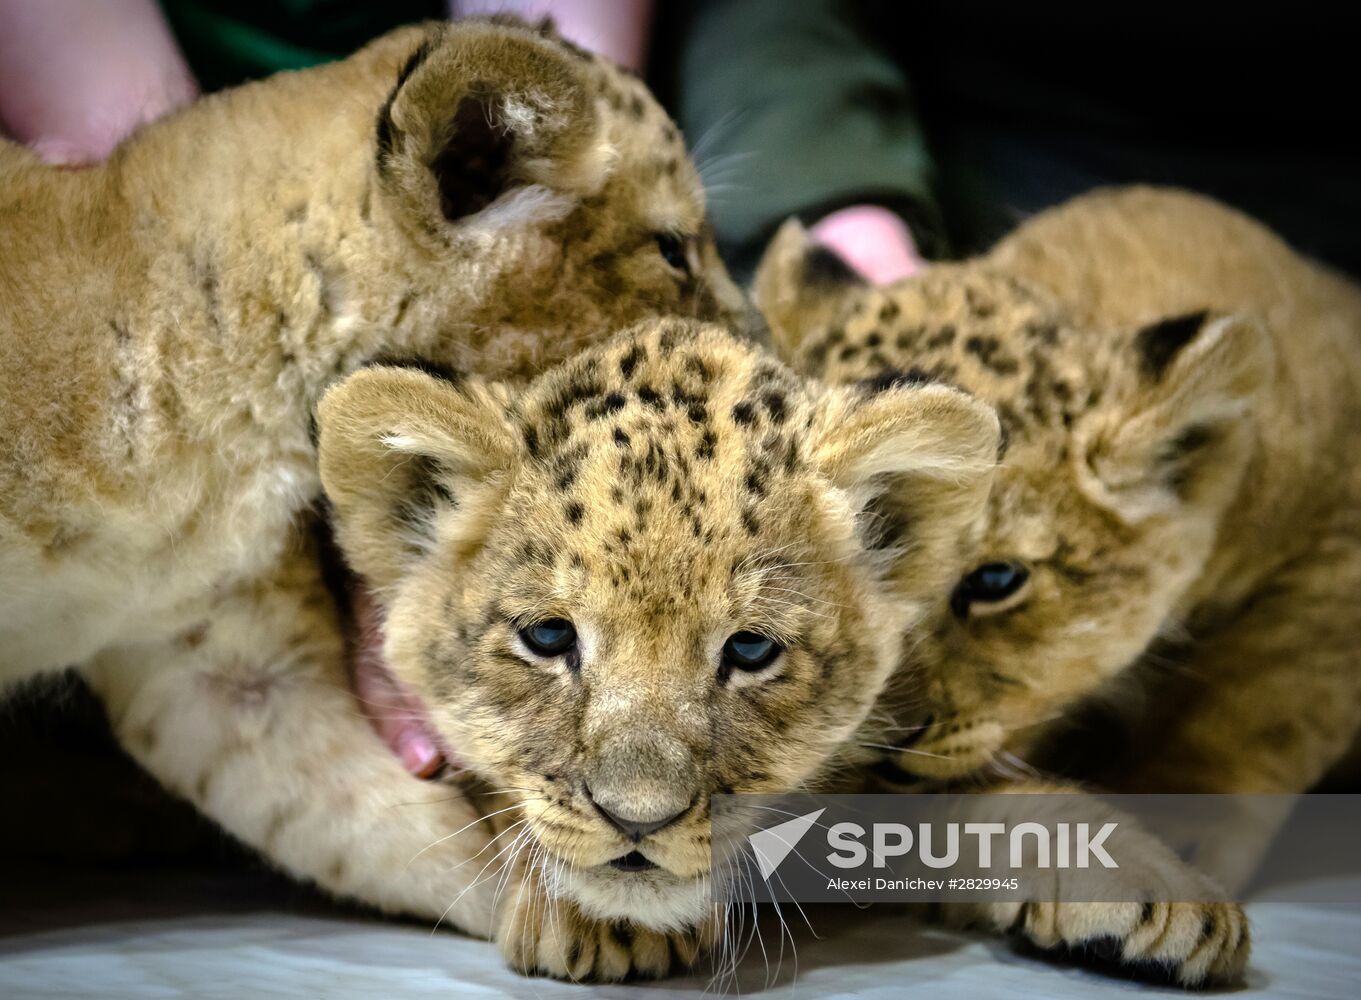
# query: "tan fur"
{"points": [[661, 492], [479, 195], [1189, 517]]}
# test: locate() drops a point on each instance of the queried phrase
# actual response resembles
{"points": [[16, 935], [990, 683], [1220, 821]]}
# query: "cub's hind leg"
{"points": [[247, 714]]}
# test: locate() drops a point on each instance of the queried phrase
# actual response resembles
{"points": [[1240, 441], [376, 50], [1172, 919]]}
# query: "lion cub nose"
{"points": [[632, 821]]}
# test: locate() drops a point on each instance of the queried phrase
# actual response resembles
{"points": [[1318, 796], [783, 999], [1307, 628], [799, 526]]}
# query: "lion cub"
{"points": [[1175, 528], [477, 194], [667, 569]]}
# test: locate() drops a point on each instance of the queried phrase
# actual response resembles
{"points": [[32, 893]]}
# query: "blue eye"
{"points": [[750, 651], [990, 583], [550, 637], [672, 249]]}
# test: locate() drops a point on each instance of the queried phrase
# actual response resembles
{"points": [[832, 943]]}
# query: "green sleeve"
{"points": [[792, 110], [230, 41]]}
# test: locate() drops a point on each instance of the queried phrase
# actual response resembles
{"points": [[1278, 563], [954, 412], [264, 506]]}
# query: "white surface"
{"points": [[244, 935]]}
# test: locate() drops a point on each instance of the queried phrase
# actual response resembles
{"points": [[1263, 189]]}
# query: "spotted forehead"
{"points": [[999, 338], [673, 433]]}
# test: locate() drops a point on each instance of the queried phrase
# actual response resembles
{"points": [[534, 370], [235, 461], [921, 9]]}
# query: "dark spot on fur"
{"points": [[621, 438], [707, 444], [629, 362], [696, 364], [979, 306], [744, 413], [611, 403], [403, 304], [943, 337], [988, 350], [896, 378]]}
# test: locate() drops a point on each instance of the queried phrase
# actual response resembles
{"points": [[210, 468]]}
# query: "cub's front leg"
{"points": [[1172, 924], [542, 934], [247, 714]]}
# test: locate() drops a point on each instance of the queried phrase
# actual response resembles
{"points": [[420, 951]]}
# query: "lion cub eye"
{"points": [[988, 588], [750, 651], [672, 249], [551, 637]]}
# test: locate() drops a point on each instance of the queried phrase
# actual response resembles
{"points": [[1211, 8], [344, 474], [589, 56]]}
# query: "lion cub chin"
{"points": [[668, 569], [1173, 535]]}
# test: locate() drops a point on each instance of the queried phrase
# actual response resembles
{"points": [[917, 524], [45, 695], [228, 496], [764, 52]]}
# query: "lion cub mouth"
{"points": [[634, 861]]}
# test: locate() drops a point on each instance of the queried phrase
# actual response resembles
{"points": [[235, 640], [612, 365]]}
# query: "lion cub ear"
{"points": [[916, 463], [406, 456], [1182, 438], [800, 286], [490, 116]]}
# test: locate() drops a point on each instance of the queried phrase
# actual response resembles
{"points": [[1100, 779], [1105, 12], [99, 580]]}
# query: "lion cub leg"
{"points": [[248, 715], [1191, 937], [540, 933]]}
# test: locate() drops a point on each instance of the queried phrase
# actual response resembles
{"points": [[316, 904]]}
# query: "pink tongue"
{"points": [[395, 712]]}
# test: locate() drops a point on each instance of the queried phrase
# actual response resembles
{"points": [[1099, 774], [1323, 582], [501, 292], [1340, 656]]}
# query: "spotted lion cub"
{"points": [[667, 569], [1175, 528], [478, 194]]}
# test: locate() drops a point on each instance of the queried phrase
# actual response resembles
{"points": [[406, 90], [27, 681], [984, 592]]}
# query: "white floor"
{"points": [[245, 935]]}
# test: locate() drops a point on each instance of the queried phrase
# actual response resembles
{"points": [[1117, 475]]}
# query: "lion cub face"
{"points": [[668, 569], [550, 177], [1120, 451]]}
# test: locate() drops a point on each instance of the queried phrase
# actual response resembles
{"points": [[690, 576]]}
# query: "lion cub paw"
{"points": [[552, 937], [1191, 944]]}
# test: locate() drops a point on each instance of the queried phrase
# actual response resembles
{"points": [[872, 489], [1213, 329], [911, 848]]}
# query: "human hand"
{"points": [[874, 241], [76, 78], [618, 30]]}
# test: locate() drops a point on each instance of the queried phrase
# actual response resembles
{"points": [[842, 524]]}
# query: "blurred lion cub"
{"points": [[1174, 533], [1181, 396]]}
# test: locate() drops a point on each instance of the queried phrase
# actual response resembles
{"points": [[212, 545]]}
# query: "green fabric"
{"points": [[791, 104], [229, 42]]}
